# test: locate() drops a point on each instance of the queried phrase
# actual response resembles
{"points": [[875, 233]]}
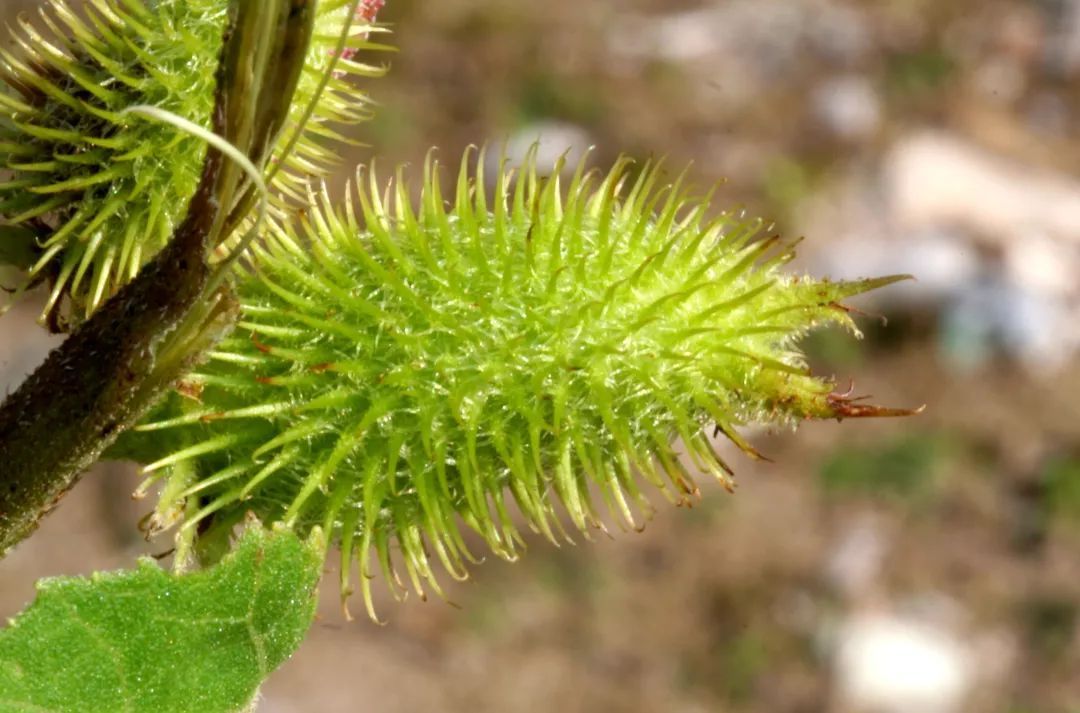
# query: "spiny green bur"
{"points": [[102, 190], [151, 641], [400, 369]]}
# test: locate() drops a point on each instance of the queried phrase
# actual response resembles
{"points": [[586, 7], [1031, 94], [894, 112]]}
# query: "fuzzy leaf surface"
{"points": [[148, 640]]}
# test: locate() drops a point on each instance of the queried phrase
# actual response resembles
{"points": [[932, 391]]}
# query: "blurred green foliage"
{"points": [[1050, 625], [786, 184], [833, 349], [1061, 478], [904, 469], [744, 659], [919, 71], [543, 95]]}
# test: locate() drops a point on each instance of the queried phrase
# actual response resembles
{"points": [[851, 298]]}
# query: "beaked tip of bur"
{"points": [[844, 406]]}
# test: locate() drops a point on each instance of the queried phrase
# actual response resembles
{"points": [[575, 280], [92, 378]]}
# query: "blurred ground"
{"points": [[925, 565]]}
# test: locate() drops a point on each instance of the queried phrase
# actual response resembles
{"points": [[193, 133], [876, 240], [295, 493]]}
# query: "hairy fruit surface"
{"points": [[402, 368]]}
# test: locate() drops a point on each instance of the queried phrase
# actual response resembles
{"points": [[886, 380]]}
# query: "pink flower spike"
{"points": [[369, 9], [366, 12]]}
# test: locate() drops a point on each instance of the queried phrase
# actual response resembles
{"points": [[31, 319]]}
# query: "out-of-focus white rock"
{"points": [[1035, 262], [888, 663], [1024, 297], [994, 314], [935, 179], [552, 139], [849, 107], [856, 560], [704, 33], [994, 245], [943, 263], [771, 33]]}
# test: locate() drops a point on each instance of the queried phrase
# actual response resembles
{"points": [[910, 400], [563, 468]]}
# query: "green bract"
{"points": [[101, 191], [403, 368]]}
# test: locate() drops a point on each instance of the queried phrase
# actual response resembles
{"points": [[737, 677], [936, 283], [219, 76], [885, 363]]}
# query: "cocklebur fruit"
{"points": [[101, 190], [401, 368]]}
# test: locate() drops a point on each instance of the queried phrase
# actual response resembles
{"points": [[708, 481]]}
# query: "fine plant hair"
{"points": [[538, 349]]}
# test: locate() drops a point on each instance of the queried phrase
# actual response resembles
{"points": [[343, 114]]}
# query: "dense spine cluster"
{"points": [[403, 366], [98, 191], [327, 97]]}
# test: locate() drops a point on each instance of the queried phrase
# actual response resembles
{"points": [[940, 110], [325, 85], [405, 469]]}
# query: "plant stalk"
{"points": [[118, 363]]}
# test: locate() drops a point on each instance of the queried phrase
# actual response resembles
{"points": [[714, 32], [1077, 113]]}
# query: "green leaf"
{"points": [[148, 640]]}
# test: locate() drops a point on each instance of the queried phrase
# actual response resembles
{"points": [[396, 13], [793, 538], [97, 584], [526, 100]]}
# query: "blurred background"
{"points": [[923, 565]]}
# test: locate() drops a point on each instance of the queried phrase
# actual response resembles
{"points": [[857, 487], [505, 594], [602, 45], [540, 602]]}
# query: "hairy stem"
{"points": [[118, 363]]}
